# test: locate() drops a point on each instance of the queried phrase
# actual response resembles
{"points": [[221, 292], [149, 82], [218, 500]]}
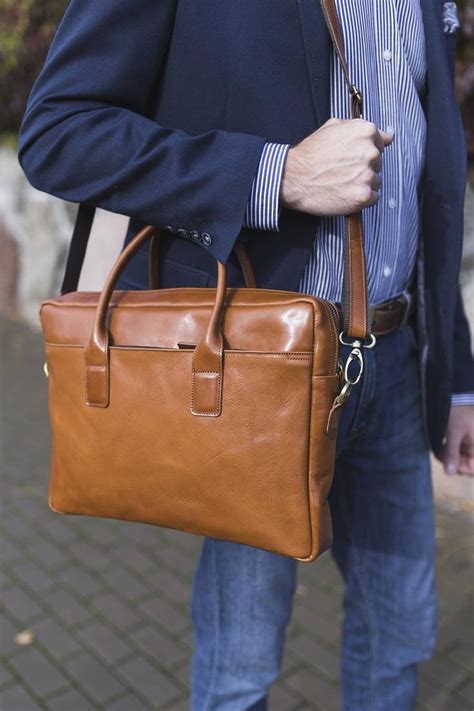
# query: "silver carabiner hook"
{"points": [[354, 355]]}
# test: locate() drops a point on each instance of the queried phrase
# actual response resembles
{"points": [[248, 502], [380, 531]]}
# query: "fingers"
{"points": [[387, 138], [466, 463], [368, 190], [458, 453], [378, 140], [452, 453], [374, 198], [375, 163], [376, 182], [381, 139], [466, 467]]}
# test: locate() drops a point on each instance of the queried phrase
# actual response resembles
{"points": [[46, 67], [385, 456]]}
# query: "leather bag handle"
{"points": [[355, 310], [207, 363]]}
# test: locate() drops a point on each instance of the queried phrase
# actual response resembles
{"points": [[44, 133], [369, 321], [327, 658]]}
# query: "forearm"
{"points": [[125, 163], [86, 135]]}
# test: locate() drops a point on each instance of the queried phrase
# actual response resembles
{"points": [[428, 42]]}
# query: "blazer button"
{"points": [[195, 236], [183, 233], [168, 228], [206, 238]]}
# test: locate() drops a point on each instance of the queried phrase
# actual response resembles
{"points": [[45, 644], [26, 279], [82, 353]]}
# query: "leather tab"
{"points": [[96, 354], [333, 419], [97, 385], [206, 395]]}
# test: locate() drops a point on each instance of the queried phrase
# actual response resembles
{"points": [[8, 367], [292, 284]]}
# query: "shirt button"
{"points": [[387, 271], [390, 129], [387, 55], [206, 238], [392, 203]]}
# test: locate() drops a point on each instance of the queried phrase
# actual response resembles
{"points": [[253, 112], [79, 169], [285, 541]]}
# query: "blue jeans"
{"points": [[382, 507]]}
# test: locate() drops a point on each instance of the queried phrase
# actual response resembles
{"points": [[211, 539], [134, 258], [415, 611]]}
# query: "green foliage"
{"points": [[27, 28]]}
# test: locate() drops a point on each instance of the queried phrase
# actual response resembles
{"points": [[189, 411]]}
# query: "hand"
{"points": [[335, 170], [458, 452]]}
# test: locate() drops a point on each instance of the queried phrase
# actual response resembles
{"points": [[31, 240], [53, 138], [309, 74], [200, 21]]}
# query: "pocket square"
{"points": [[450, 17]]}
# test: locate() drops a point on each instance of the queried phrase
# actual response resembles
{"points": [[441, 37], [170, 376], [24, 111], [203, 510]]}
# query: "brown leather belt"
{"points": [[388, 316]]}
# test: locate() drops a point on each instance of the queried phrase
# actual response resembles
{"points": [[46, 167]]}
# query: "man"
{"points": [[182, 114]]}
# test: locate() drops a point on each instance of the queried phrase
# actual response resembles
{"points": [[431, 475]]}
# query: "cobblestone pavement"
{"points": [[95, 612]]}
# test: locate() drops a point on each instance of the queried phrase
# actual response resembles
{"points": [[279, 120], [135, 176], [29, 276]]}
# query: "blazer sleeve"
{"points": [[87, 137], [463, 379]]}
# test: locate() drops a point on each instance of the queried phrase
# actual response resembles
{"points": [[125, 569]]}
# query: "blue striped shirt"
{"points": [[385, 49]]}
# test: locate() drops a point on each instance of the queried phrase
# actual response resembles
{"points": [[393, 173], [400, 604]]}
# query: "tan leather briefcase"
{"points": [[213, 411]]}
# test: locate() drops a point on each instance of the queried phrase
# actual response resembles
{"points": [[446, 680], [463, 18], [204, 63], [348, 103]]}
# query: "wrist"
{"points": [[290, 187], [263, 206]]}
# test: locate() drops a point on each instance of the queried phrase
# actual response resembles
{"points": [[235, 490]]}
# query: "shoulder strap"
{"points": [[77, 247], [354, 287]]}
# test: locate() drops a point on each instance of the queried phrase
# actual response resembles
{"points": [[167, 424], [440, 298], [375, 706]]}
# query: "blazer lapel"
{"points": [[317, 48], [444, 147]]}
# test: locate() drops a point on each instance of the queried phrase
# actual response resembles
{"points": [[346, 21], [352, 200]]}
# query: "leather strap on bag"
{"points": [[354, 300]]}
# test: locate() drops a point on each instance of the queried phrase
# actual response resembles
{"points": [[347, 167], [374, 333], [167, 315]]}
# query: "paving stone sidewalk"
{"points": [[95, 613]]}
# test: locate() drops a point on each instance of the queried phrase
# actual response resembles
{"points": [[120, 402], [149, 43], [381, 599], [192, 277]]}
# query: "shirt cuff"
{"points": [[263, 207], [462, 399]]}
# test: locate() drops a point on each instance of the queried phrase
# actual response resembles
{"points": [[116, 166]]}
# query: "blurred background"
{"points": [[94, 613]]}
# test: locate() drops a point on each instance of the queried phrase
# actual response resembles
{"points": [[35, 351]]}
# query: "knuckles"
{"points": [[363, 195]]}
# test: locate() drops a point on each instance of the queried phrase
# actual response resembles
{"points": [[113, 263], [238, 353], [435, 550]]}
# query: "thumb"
{"points": [[387, 138], [452, 452]]}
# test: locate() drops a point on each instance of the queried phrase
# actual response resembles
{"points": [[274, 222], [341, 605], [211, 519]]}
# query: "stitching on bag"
{"points": [[310, 446], [351, 276], [207, 413], [334, 331], [215, 412], [159, 349], [121, 305], [104, 387]]}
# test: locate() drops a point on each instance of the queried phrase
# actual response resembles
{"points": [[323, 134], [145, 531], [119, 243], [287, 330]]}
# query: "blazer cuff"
{"points": [[462, 399], [263, 206]]}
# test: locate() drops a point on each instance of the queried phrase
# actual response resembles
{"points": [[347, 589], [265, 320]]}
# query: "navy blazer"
{"points": [[159, 109]]}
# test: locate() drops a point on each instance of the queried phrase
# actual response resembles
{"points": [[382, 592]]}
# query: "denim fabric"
{"points": [[382, 508]]}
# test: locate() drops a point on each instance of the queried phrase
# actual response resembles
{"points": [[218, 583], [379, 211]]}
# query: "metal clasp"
{"points": [[355, 356], [357, 96], [357, 343]]}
